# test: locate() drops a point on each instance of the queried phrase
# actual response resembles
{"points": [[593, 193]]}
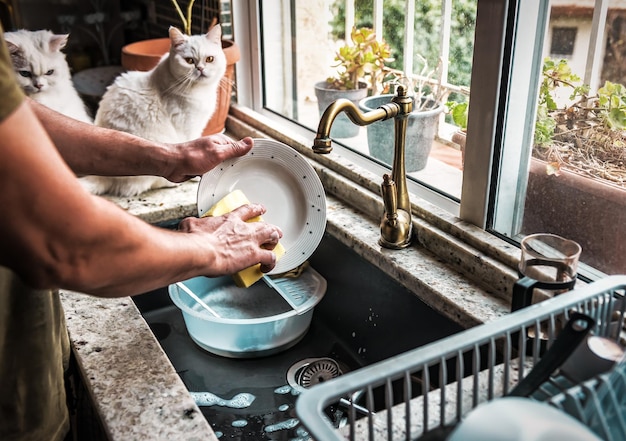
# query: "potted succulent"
{"points": [[361, 69], [145, 54], [422, 122]]}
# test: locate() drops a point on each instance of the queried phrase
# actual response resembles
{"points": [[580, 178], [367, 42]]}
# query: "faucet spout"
{"points": [[322, 141], [396, 225]]}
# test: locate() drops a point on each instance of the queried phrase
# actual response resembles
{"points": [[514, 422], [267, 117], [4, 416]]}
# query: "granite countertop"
{"points": [[134, 387]]}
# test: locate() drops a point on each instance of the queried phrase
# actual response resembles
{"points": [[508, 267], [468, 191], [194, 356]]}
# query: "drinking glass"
{"points": [[549, 262]]}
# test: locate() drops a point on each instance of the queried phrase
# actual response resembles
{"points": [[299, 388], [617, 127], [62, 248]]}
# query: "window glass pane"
{"points": [[573, 149], [300, 41], [562, 44]]}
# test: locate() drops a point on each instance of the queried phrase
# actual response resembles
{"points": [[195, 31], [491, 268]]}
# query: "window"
{"points": [[299, 40], [563, 40], [501, 45], [559, 170]]}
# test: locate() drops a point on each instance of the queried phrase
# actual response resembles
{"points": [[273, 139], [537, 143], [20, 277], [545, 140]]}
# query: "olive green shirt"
{"points": [[34, 345]]}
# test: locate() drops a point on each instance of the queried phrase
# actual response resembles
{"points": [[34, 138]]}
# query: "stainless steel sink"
{"points": [[365, 317]]}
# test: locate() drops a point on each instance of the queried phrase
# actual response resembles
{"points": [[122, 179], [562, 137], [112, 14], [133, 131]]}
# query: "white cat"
{"points": [[171, 103], [43, 73]]}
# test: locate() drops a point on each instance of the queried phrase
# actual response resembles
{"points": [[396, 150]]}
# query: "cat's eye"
{"points": [[189, 60], [210, 59], [50, 72], [25, 73]]}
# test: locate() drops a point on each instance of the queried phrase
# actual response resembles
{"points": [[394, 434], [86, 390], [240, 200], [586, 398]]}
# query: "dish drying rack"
{"points": [[423, 393]]}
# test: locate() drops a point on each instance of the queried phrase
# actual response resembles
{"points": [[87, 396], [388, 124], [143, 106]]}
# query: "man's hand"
{"points": [[194, 158], [234, 243]]}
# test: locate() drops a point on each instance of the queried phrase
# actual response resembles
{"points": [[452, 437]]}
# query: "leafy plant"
{"points": [[588, 134], [612, 101], [544, 127], [427, 91], [458, 111], [608, 107], [555, 74], [361, 61], [427, 31]]}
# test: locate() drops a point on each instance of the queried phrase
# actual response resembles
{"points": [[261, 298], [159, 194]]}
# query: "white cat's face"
{"points": [[37, 59], [33, 80], [197, 58]]}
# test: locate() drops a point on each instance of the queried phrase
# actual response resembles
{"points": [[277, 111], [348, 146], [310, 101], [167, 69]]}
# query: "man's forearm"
{"points": [[56, 234], [89, 149]]}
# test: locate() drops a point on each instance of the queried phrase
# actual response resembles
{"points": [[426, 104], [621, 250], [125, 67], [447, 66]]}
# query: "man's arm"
{"points": [[90, 149], [55, 234]]}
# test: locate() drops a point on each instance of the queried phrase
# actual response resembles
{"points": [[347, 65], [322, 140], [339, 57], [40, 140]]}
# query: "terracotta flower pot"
{"points": [[144, 55], [586, 210]]}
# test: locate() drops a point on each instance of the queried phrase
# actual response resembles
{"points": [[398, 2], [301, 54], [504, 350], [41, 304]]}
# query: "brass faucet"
{"points": [[396, 225]]}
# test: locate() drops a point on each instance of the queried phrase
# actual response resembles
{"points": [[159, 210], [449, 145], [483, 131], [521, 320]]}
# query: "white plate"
{"points": [[278, 177]]}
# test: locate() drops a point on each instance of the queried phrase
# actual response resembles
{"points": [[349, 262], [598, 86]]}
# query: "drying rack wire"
{"points": [[598, 402], [430, 389]]}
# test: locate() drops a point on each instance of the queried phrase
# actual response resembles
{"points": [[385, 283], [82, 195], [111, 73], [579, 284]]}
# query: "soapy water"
{"points": [[239, 401], [283, 390], [231, 302], [243, 400], [283, 425]]}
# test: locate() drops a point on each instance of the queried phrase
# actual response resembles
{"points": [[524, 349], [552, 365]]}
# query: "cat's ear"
{"points": [[58, 42], [13, 48], [215, 34], [176, 36]]}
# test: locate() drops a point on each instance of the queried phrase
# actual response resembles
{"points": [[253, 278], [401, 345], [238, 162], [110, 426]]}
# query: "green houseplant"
{"points": [[577, 177], [422, 122], [588, 134], [458, 112], [145, 54], [360, 70]]}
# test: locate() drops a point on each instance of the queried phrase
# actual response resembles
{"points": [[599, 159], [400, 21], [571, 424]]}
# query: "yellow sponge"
{"points": [[235, 199]]}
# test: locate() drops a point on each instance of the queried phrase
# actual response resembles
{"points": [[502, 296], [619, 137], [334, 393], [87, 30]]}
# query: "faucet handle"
{"points": [[401, 85], [395, 226], [390, 199]]}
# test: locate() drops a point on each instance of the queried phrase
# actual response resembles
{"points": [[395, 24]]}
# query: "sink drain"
{"points": [[312, 371], [318, 372]]}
